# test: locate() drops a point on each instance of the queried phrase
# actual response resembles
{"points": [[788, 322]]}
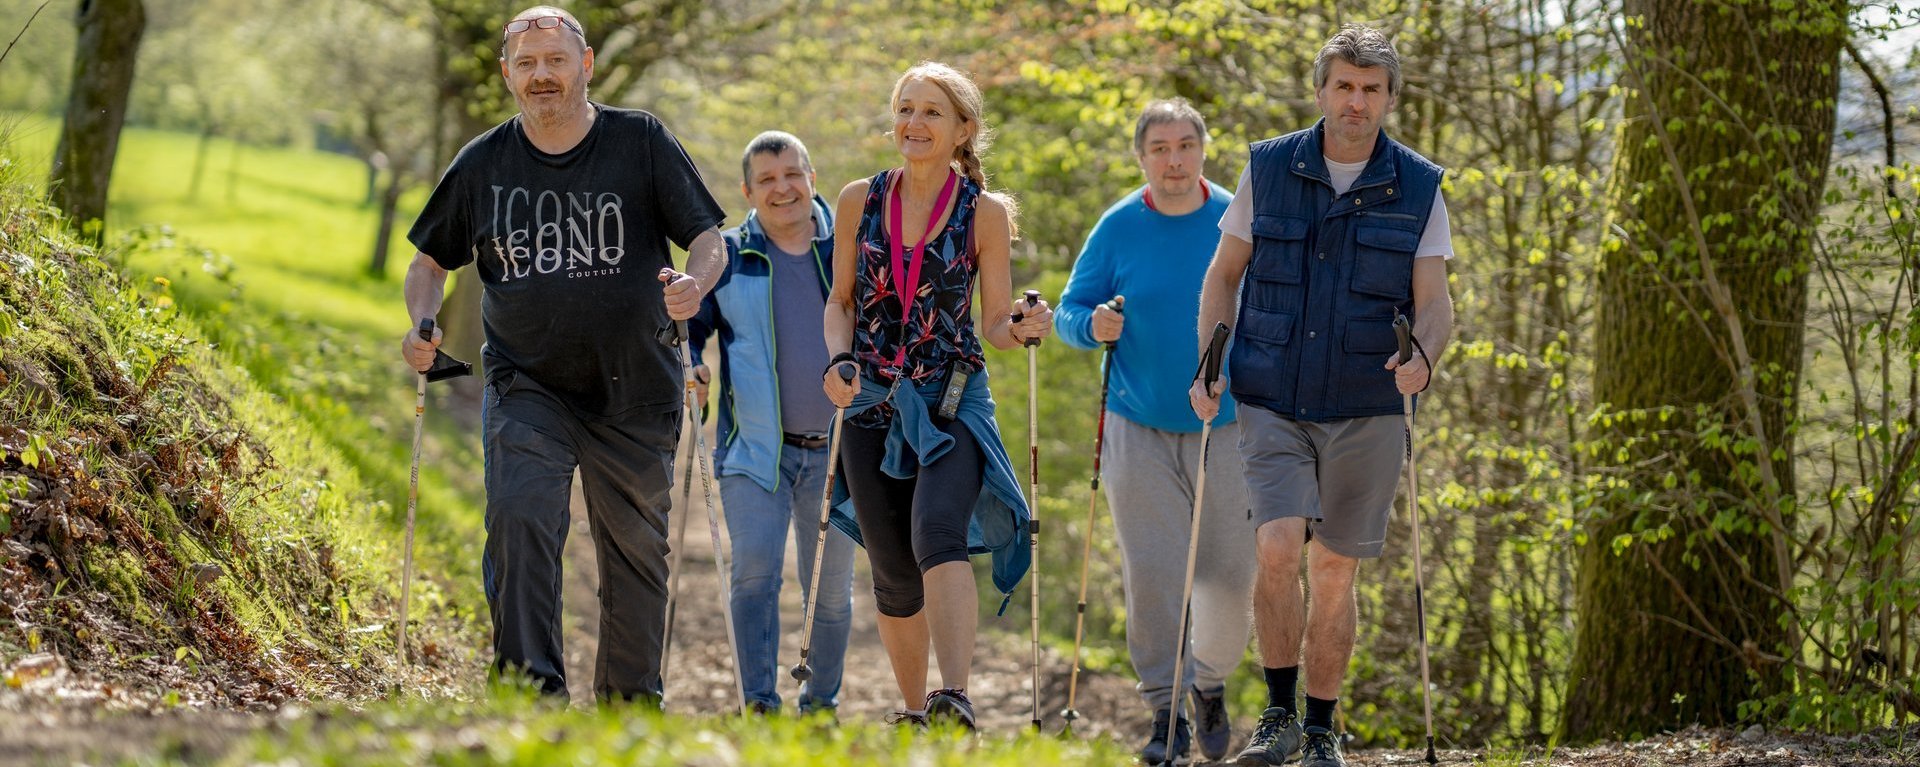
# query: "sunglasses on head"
{"points": [[541, 22]]}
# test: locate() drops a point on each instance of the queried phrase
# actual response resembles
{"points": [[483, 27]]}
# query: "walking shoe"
{"points": [[1155, 752], [1321, 749], [1216, 728], [1275, 739], [950, 706], [905, 718]]}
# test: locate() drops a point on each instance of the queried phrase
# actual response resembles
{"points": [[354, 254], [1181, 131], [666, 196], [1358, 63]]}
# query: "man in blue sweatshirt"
{"points": [[1153, 247], [771, 455]]}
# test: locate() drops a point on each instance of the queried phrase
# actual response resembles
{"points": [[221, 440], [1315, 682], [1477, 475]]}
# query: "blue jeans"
{"points": [[757, 523]]}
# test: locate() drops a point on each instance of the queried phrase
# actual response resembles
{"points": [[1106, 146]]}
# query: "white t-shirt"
{"points": [[1436, 240]]}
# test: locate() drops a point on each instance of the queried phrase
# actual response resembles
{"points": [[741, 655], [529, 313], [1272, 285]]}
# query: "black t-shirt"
{"points": [[568, 247]]}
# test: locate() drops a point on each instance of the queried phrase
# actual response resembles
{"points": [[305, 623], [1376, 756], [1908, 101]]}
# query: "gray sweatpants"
{"points": [[533, 443], [1150, 478]]}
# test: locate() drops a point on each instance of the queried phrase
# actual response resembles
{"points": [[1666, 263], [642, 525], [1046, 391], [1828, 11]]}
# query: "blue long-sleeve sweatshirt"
{"points": [[1158, 262]]}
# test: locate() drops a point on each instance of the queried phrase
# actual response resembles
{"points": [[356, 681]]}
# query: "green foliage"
{"points": [[1855, 529]]}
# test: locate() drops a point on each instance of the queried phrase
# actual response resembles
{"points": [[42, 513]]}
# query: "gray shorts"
{"points": [[1342, 475]]}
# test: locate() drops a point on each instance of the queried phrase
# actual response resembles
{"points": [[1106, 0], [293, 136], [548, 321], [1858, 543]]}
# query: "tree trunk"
{"points": [[373, 161], [200, 151], [1714, 196], [233, 174], [383, 236], [103, 63]]}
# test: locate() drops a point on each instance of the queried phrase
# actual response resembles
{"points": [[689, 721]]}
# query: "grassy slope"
{"points": [[169, 524], [272, 259], [273, 277]]}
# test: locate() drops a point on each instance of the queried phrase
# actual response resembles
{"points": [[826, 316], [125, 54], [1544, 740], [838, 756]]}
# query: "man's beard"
{"points": [[551, 114]]}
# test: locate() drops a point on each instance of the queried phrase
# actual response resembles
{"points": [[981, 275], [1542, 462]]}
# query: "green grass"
{"points": [[514, 730]]}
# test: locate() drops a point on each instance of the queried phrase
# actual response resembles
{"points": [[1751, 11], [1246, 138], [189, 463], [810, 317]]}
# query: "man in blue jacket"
{"points": [[772, 448], [1334, 231], [1152, 247]]}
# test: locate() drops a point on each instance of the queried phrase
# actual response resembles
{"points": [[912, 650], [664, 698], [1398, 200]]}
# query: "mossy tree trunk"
{"points": [[103, 64], [1703, 293]]}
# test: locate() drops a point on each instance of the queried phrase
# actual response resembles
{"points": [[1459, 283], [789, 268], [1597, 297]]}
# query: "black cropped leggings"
{"points": [[910, 526]]}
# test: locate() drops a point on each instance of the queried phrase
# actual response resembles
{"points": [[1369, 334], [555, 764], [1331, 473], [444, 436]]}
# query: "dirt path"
{"points": [[700, 679]]}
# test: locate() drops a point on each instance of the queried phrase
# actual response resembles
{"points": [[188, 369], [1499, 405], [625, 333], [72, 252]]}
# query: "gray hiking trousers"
{"points": [[533, 443], [1150, 478]]}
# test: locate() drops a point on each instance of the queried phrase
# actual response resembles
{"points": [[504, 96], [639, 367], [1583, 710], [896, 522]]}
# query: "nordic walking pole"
{"points": [[1033, 496], [1086, 555], [1209, 373], [443, 367], [809, 608], [714, 513], [680, 530], [413, 492], [1404, 329]]}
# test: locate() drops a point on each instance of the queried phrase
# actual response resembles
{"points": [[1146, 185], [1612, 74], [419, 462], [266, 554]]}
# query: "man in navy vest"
{"points": [[771, 455], [1333, 231]]}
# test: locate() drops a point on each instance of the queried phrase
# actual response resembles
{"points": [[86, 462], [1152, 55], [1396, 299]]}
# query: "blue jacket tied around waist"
{"points": [[1000, 517]]}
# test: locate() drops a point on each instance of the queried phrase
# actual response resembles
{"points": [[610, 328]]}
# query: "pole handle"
{"points": [[1403, 330], [1216, 354], [444, 365], [845, 369], [672, 333], [1033, 297], [1117, 305]]}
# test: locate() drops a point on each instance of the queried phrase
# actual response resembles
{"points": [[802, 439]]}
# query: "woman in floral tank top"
{"points": [[910, 246]]}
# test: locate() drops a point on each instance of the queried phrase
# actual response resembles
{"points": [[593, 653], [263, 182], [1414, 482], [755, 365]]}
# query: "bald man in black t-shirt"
{"points": [[565, 210]]}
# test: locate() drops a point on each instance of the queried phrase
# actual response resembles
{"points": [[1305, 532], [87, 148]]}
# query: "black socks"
{"points": [[1280, 687], [1281, 684], [1319, 713]]}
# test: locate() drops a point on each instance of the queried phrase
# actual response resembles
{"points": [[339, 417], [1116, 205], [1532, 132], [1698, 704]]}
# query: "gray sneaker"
{"points": [[1155, 752], [950, 706], [1215, 730], [1276, 738], [1321, 749]]}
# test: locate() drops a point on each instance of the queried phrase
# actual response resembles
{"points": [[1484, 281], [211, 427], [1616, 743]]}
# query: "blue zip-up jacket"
{"points": [[999, 524], [740, 309], [1325, 278], [1158, 262]]}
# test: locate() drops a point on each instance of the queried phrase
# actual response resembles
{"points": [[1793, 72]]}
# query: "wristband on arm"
{"points": [[835, 362]]}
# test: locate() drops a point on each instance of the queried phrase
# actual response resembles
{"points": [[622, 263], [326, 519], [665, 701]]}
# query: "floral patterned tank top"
{"points": [[940, 329]]}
